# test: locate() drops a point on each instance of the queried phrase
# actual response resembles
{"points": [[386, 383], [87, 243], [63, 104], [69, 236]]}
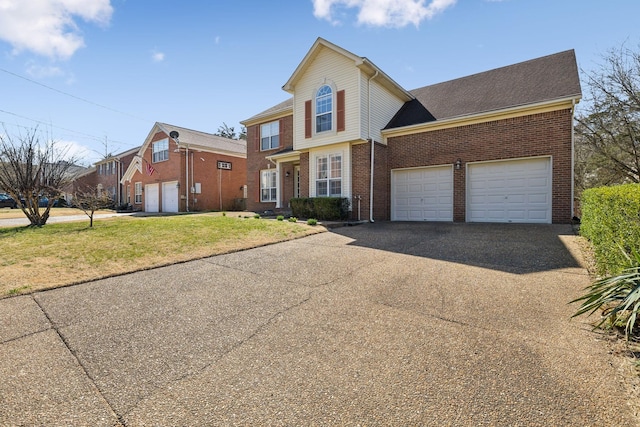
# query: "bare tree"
{"points": [[608, 129], [32, 171], [90, 199], [226, 131]]}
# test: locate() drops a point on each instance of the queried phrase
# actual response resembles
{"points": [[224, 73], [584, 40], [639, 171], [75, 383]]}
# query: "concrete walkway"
{"points": [[380, 324]]}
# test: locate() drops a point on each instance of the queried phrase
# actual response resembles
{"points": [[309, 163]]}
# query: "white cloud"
{"points": [[43, 71], [157, 56], [48, 27], [383, 13]]}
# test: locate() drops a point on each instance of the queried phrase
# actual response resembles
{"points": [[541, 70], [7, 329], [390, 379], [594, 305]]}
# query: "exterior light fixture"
{"points": [[458, 164], [287, 174]]}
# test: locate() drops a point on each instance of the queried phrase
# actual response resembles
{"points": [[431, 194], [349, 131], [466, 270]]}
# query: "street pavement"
{"points": [[18, 222], [389, 324]]}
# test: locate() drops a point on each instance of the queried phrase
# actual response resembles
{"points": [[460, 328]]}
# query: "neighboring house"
{"points": [[182, 170], [105, 176], [491, 147]]}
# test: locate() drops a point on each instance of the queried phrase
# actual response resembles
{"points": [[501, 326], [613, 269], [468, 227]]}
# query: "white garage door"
{"points": [[422, 194], [151, 198], [170, 196], [510, 191]]}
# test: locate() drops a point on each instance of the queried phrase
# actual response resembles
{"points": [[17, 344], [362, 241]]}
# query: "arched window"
{"points": [[324, 109]]}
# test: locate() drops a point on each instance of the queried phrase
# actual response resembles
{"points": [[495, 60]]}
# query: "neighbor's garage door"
{"points": [[170, 196], [510, 191], [151, 198], [422, 194]]}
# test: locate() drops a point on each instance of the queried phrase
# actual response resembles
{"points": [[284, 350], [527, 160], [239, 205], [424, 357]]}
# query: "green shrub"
{"points": [[224, 214], [312, 221], [618, 297], [280, 218], [257, 216], [610, 220], [323, 208], [293, 219]]}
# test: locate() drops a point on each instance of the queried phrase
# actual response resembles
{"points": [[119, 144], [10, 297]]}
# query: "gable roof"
{"points": [[193, 139], [199, 140], [282, 109], [361, 62], [549, 78]]}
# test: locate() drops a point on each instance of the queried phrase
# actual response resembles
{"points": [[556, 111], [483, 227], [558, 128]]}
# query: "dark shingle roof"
{"points": [[538, 80], [286, 105]]}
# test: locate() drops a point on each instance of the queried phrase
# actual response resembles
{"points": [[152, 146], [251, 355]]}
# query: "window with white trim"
{"points": [[160, 150], [268, 190], [270, 136], [329, 175], [138, 193], [324, 109]]}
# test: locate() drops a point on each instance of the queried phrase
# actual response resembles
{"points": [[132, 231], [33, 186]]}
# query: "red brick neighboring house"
{"points": [[495, 146], [183, 170], [105, 176]]}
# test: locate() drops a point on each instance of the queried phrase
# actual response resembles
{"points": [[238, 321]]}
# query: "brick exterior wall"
{"points": [[257, 161], [528, 136], [361, 177]]}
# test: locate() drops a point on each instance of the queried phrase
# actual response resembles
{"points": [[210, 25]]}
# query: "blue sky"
{"points": [[96, 74]]}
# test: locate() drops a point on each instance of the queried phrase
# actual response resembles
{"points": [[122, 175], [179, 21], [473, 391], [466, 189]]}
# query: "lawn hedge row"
{"points": [[611, 221], [322, 208]]}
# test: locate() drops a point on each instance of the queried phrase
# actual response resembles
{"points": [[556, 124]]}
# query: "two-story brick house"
{"points": [[496, 146], [183, 170]]}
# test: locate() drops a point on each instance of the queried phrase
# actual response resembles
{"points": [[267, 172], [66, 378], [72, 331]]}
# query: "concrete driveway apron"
{"points": [[380, 324]]}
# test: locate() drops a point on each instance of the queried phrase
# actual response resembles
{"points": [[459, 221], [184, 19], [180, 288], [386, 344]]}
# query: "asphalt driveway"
{"points": [[379, 324]]}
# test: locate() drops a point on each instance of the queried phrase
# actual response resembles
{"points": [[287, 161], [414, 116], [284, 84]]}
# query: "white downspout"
{"points": [[573, 155], [187, 174], [373, 145]]}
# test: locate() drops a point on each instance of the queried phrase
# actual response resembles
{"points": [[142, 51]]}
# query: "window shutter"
{"points": [[307, 119], [340, 110]]}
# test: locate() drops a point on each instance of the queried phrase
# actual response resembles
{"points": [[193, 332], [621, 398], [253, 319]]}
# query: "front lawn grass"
{"points": [[60, 254]]}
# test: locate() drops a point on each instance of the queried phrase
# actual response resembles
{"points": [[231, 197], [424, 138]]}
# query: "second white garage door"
{"points": [[170, 196], [510, 191], [422, 194]]}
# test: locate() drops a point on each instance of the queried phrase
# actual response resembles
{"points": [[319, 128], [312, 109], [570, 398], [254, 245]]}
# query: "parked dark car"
{"points": [[44, 201], [7, 201]]}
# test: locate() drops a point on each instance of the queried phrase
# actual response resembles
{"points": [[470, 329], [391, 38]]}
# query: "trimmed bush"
{"points": [[611, 221], [312, 221], [322, 208]]}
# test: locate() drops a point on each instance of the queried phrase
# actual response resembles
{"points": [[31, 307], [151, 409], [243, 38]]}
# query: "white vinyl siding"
{"points": [[384, 104], [339, 73]]}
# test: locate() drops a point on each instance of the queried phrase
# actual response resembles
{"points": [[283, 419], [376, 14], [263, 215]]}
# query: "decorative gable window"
{"points": [[324, 109], [329, 175], [270, 135], [268, 190], [160, 150]]}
